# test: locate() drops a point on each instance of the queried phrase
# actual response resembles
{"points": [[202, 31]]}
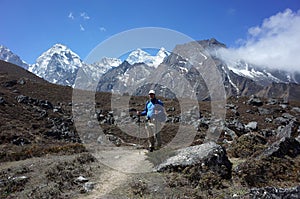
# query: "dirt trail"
{"points": [[122, 163]]}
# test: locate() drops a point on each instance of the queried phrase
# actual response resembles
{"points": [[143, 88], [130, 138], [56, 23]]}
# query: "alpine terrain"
{"points": [[53, 146]]}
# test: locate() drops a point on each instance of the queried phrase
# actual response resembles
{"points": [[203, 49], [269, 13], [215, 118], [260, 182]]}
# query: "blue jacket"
{"points": [[151, 106]]}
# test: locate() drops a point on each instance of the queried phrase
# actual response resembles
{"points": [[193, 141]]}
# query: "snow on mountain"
{"points": [[60, 65], [57, 65], [106, 64], [97, 69], [261, 74], [8, 56], [140, 56], [255, 73]]}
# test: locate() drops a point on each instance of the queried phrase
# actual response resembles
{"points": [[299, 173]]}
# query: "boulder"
{"points": [[255, 101], [285, 146], [2, 101], [209, 155]]}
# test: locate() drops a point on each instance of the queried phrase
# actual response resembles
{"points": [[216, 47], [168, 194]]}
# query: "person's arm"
{"points": [[160, 103]]}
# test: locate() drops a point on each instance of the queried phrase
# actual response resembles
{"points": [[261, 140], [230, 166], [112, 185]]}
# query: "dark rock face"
{"points": [[289, 91]]}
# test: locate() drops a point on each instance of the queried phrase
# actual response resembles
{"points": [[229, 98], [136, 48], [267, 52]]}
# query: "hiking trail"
{"points": [[122, 163]]}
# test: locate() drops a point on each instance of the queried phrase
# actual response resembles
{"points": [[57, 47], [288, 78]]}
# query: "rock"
{"points": [[281, 121], [57, 109], [272, 101], [46, 104], [265, 111], [171, 109], [237, 127], [255, 101], [272, 192], [210, 155], [286, 131], [89, 186], [284, 106], [231, 106], [21, 81], [2, 101], [296, 109], [10, 83], [267, 132], [288, 116], [81, 179], [268, 120], [21, 141], [22, 99], [285, 146], [251, 126]]}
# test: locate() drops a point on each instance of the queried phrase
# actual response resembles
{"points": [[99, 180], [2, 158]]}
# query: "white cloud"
{"points": [[81, 28], [84, 15], [102, 29], [231, 11], [71, 16], [274, 44]]}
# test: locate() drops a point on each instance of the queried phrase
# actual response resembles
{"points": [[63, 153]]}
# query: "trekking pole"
{"points": [[139, 123], [155, 136]]}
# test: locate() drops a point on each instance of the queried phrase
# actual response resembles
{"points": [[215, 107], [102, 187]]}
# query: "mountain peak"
{"points": [[211, 43], [53, 64], [141, 56], [59, 47]]}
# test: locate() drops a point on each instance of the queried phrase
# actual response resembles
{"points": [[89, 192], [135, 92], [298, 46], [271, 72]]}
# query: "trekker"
{"points": [[155, 115]]}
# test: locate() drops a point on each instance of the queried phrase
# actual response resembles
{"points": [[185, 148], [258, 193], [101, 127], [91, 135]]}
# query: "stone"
{"points": [[209, 154]]}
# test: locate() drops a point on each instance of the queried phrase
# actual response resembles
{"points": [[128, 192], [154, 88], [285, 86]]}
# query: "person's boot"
{"points": [[151, 149]]}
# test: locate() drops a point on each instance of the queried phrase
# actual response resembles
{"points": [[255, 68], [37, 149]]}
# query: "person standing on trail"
{"points": [[155, 115]]}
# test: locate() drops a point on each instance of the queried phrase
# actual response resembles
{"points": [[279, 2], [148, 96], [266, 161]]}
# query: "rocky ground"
{"points": [[43, 155]]}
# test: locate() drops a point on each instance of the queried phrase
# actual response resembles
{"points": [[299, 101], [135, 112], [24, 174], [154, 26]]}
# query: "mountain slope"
{"points": [[8, 56]]}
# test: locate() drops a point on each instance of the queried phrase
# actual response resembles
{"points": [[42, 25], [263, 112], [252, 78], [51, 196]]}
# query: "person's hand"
{"points": [[138, 113]]}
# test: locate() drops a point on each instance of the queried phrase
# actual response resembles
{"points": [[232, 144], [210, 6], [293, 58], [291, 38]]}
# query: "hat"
{"points": [[151, 92]]}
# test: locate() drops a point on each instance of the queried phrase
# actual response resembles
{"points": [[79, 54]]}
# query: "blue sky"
{"points": [[30, 27]]}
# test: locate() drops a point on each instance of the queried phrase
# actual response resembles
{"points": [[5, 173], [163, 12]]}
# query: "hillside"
{"points": [[44, 154]]}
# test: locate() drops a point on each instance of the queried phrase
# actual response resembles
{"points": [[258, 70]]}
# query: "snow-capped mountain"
{"points": [[8, 56], [58, 65], [106, 64], [239, 78], [140, 56], [93, 72], [261, 74]]}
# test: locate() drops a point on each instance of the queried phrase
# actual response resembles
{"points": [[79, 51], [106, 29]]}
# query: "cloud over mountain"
{"points": [[273, 44]]}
